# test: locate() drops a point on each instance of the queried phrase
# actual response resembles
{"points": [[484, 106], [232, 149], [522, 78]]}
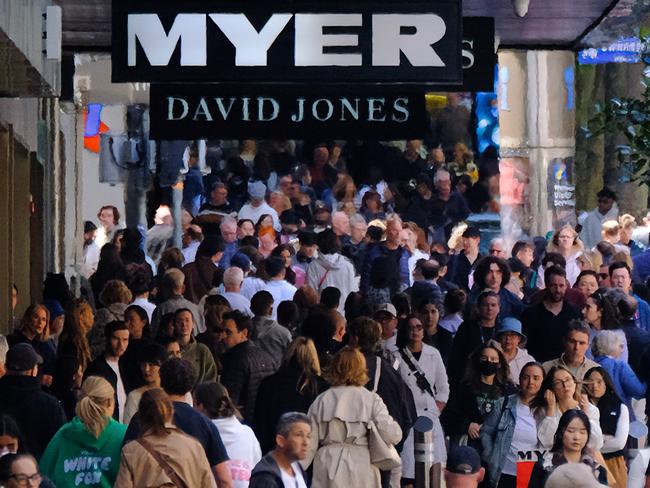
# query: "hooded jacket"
{"points": [[76, 458], [38, 414], [332, 270], [267, 474]]}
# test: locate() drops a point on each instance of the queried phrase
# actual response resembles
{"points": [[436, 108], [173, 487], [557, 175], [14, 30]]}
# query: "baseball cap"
{"points": [[472, 231], [242, 261], [22, 357], [463, 460], [257, 190], [387, 307], [54, 307]]}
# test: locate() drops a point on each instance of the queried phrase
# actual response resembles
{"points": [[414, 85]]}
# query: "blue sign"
{"points": [[626, 50]]}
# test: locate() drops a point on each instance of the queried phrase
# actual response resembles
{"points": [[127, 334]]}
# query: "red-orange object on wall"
{"points": [[93, 128]]}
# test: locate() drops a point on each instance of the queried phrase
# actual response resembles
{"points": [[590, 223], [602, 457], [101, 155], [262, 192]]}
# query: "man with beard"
{"points": [[546, 323], [90, 251]]}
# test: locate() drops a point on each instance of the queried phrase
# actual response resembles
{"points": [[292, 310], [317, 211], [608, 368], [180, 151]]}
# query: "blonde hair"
{"points": [[455, 241], [115, 291], [27, 318], [627, 222], [348, 368], [96, 396], [302, 354], [610, 228]]}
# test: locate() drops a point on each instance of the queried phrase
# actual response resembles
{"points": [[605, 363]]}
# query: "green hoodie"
{"points": [[75, 458]]}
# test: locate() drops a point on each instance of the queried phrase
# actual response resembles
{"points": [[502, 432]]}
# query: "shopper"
{"points": [[339, 419], [510, 429], [212, 400], [92, 433], [163, 454], [280, 467]]}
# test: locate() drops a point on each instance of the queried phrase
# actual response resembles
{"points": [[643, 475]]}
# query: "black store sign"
{"points": [[231, 111], [302, 41], [479, 57]]}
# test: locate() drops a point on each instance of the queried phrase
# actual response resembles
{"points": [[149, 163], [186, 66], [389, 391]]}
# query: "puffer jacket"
{"points": [[332, 270], [244, 368]]}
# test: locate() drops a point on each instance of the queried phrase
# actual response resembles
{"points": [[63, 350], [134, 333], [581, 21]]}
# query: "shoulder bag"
{"points": [[383, 456], [169, 471]]}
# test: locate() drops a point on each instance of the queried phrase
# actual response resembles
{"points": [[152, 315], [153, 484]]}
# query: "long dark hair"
{"points": [[472, 375], [9, 427], [565, 420], [608, 403], [214, 399], [402, 338], [539, 401], [609, 316]]}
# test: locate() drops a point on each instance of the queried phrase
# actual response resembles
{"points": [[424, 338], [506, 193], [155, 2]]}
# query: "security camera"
{"points": [[521, 7]]}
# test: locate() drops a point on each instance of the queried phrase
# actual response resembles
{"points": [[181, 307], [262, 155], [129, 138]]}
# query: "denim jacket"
{"points": [[496, 436]]}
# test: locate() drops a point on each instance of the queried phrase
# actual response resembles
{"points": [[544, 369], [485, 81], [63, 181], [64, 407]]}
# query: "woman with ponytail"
{"points": [[163, 455], [212, 400], [86, 451]]}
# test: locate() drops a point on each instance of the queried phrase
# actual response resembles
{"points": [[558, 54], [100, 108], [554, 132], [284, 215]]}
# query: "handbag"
{"points": [[169, 471], [383, 456]]}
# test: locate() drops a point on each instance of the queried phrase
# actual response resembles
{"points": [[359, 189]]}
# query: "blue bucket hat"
{"points": [[511, 324]]}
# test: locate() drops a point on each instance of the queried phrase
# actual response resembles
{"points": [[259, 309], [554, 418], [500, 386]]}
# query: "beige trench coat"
{"points": [[339, 438], [138, 469]]}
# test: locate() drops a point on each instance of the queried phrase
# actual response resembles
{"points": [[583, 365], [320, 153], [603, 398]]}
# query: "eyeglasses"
{"points": [[25, 480], [416, 327], [567, 382], [496, 251]]}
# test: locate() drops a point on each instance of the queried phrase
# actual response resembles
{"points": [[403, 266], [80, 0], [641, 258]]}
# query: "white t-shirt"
{"points": [[524, 438], [296, 481], [281, 290], [121, 392], [242, 447]]}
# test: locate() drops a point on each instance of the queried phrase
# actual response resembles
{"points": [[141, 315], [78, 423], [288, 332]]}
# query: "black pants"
{"points": [[507, 481]]}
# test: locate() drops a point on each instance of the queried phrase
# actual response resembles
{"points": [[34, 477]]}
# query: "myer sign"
{"points": [[287, 41]]}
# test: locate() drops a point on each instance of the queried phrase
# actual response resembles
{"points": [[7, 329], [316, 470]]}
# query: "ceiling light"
{"points": [[521, 7]]}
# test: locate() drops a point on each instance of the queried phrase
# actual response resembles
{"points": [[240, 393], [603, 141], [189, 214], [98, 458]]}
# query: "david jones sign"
{"points": [[187, 112], [287, 41]]}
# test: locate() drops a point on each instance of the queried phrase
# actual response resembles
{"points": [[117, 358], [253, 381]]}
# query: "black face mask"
{"points": [[486, 368]]}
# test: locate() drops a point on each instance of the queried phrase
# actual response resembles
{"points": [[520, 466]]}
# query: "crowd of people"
{"points": [[311, 315]]}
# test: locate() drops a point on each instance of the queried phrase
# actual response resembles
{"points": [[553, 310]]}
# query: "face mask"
{"points": [[487, 368], [4, 450]]}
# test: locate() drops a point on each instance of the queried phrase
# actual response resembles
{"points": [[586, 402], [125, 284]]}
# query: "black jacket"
{"points": [[266, 474], [281, 394], [468, 338], [130, 364], [395, 394], [99, 367], [244, 367], [38, 414]]}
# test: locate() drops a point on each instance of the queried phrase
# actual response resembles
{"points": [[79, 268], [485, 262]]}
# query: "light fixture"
{"points": [[521, 7]]}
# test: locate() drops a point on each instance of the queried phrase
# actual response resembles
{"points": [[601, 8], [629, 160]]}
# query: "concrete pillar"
{"points": [[537, 122]]}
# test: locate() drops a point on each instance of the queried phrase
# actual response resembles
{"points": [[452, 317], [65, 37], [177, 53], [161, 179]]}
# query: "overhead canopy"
{"points": [[87, 23]]}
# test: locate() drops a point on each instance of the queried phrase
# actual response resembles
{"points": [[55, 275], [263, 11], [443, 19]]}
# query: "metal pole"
{"points": [[423, 451]]}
